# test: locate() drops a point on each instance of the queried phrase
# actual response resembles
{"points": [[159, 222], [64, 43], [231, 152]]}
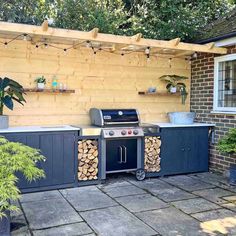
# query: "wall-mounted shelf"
{"points": [[35, 90], [146, 93]]}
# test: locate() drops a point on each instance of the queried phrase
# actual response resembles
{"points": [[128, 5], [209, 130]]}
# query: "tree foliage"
{"points": [[14, 158], [158, 19]]}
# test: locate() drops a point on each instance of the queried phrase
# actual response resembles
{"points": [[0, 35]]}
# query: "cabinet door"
{"points": [[31, 140], [197, 149], [121, 154], [173, 154], [59, 151]]}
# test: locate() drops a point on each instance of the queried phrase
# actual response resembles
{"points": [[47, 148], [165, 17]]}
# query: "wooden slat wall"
{"points": [[103, 80]]}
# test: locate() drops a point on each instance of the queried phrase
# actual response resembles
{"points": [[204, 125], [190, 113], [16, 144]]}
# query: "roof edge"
{"points": [[213, 39]]}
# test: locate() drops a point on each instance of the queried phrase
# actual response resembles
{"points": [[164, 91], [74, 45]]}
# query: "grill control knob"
{"points": [[111, 132], [135, 132], [129, 131], [123, 132]]}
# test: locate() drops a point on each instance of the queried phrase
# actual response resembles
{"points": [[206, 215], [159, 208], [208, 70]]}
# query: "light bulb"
{"points": [[148, 58], [5, 44], [147, 50], [46, 45], [65, 50], [88, 44], [194, 55], [25, 37]]}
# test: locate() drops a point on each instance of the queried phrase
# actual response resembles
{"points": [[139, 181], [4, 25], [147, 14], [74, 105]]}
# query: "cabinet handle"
{"points": [[121, 155], [189, 149], [182, 149], [125, 154]]}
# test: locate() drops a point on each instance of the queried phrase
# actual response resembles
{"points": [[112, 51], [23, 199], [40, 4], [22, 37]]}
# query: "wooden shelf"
{"points": [[146, 93], [35, 90]]}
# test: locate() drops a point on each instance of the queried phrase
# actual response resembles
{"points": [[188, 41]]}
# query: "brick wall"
{"points": [[201, 102]]}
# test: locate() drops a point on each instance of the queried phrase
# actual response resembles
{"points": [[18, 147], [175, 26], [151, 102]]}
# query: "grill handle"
{"points": [[125, 153], [121, 155]]}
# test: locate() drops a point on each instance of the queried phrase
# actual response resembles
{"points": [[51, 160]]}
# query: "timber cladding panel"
{"points": [[103, 80], [202, 90]]}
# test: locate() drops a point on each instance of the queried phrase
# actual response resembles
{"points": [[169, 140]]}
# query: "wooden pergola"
{"points": [[113, 43]]}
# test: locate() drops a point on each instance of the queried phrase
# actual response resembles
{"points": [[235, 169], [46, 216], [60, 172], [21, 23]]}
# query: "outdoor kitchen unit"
{"points": [[121, 140]]}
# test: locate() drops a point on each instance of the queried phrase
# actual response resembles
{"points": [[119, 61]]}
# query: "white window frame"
{"points": [[217, 60]]}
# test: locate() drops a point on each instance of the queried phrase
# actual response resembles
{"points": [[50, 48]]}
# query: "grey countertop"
{"points": [[23, 129], [170, 125]]}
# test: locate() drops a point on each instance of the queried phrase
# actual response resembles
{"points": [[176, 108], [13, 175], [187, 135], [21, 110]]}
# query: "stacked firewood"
{"points": [[152, 158], [88, 159]]}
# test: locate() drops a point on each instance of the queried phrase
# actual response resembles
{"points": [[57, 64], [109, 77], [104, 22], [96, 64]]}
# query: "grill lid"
{"points": [[106, 117]]}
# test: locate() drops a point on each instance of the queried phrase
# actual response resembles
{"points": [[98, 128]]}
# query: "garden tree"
{"points": [[158, 19], [166, 19], [109, 16], [26, 11]]}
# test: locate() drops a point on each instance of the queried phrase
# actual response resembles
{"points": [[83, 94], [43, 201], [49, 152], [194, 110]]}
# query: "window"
{"points": [[225, 83]]}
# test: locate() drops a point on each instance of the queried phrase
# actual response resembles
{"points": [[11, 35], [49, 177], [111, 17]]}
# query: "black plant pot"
{"points": [[5, 225], [232, 175]]}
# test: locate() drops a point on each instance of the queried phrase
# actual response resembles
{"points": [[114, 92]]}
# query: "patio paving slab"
{"points": [[195, 205], [144, 202], [39, 196], [163, 190], [87, 198], [114, 183], [214, 194], [218, 221], [123, 191], [171, 222], [71, 229], [50, 213], [18, 224], [231, 206], [187, 183], [116, 221]]}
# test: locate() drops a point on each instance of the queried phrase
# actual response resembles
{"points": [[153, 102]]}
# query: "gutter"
{"points": [[229, 35]]}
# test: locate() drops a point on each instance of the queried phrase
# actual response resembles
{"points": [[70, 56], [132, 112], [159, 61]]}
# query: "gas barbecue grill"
{"points": [[121, 140]]}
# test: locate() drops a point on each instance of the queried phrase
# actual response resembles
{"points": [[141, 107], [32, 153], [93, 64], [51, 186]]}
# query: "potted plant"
{"points": [[10, 91], [174, 85], [41, 81], [15, 158], [227, 144]]}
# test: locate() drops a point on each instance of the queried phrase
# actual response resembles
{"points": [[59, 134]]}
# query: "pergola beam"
{"points": [[94, 32], [137, 37], [32, 30], [174, 42], [44, 25]]}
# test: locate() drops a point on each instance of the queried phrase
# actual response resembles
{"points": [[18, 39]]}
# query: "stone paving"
{"points": [[184, 205]]}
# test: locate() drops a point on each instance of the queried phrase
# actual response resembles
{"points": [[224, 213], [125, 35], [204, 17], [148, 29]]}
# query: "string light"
{"points": [[194, 55], [169, 61], [46, 45], [65, 50], [5, 44], [88, 44], [25, 37]]}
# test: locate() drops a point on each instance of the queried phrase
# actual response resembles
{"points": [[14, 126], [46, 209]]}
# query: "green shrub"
{"points": [[228, 143], [15, 158]]}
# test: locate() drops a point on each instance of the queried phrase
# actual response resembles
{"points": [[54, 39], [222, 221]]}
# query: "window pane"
{"points": [[227, 84]]}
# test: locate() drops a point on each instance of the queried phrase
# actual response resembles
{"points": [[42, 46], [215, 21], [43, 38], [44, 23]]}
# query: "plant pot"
{"points": [[41, 85], [173, 89], [4, 122], [5, 223], [232, 175]]}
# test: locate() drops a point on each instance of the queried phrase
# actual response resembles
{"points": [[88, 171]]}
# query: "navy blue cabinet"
{"points": [[60, 150], [184, 150]]}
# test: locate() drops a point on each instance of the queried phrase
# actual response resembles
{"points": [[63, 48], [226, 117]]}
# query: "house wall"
{"points": [[202, 90], [103, 80]]}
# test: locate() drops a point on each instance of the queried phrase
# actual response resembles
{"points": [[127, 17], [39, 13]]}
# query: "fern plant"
{"points": [[16, 157], [228, 143]]}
